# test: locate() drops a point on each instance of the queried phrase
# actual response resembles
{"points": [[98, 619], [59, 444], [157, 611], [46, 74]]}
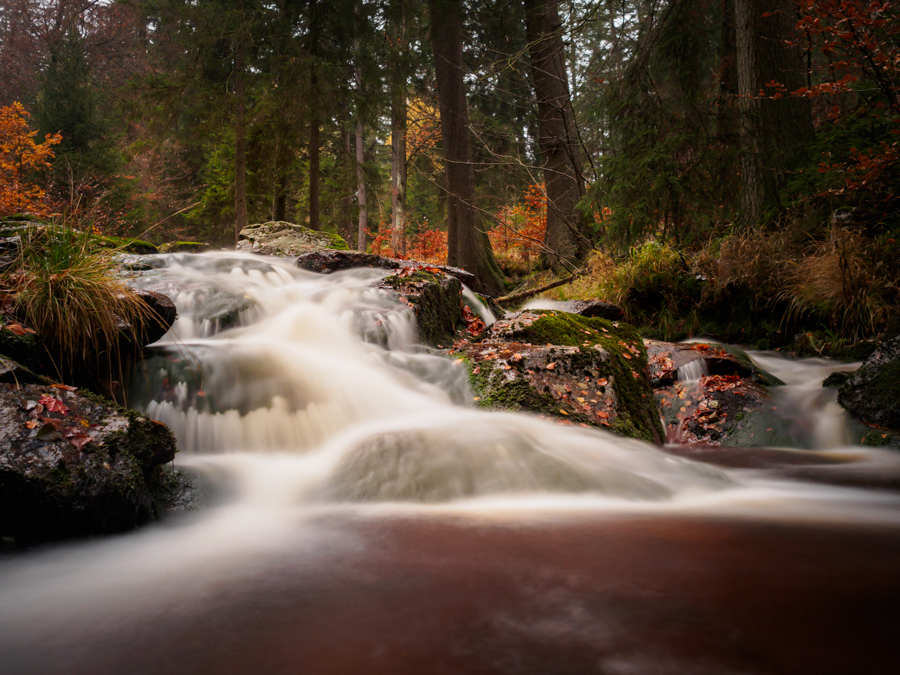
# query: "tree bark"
{"points": [[467, 244], [314, 142], [363, 224], [240, 133], [345, 218], [726, 106], [398, 130], [557, 137], [775, 132]]}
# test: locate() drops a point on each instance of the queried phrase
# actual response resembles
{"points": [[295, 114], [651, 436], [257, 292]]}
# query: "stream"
{"points": [[365, 518]]}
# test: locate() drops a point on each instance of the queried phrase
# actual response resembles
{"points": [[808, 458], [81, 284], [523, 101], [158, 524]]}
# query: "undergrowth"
{"points": [[771, 288]]}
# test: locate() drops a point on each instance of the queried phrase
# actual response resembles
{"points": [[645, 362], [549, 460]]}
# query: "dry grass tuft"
{"points": [[67, 290]]}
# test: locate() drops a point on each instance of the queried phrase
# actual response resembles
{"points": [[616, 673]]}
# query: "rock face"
{"points": [[285, 239], [711, 396], [73, 465], [436, 301], [578, 370], [873, 392], [326, 262]]}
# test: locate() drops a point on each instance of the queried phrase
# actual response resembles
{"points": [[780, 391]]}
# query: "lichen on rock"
{"points": [[281, 238]]}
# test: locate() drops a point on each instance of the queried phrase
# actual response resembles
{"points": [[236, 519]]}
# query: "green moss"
{"points": [[637, 414], [337, 241], [417, 277], [127, 245]]}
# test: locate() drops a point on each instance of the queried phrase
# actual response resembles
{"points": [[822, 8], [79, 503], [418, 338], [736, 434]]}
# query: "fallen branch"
{"points": [[508, 299]]}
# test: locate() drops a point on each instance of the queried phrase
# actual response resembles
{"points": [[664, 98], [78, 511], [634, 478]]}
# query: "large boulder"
{"points": [[574, 369], [73, 465], [872, 393], [280, 238]]}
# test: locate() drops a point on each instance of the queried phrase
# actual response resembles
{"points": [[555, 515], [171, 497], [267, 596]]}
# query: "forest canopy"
{"points": [[501, 136]]}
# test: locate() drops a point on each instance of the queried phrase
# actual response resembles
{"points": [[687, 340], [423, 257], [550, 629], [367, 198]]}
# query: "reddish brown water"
{"points": [[612, 595]]}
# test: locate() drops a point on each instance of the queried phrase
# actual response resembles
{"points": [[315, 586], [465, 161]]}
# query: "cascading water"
{"points": [[325, 368], [347, 456]]}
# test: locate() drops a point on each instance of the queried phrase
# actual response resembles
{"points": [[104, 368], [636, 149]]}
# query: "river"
{"points": [[367, 519]]}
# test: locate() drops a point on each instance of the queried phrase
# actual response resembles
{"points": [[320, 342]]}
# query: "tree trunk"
{"points": [[467, 244], [240, 135], [726, 106], [314, 149], [345, 219], [398, 131], [282, 170], [775, 132], [314, 143], [557, 138]]}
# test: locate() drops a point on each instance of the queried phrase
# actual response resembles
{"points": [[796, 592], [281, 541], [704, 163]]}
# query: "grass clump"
{"points": [[65, 287]]}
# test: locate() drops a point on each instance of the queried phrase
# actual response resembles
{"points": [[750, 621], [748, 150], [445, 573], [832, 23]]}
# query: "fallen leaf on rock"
{"points": [[31, 424], [602, 382], [563, 411], [80, 441], [551, 366], [53, 404], [64, 387], [18, 329]]}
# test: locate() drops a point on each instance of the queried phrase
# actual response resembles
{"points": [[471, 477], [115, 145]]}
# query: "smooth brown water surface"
{"points": [[580, 594]]}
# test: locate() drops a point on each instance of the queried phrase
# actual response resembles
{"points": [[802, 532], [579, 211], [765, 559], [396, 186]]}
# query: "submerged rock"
{"points": [[873, 392], [578, 370], [285, 239], [74, 465]]}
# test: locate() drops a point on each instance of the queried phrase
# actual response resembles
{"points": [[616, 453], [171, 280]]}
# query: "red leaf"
{"points": [[80, 441], [53, 404]]}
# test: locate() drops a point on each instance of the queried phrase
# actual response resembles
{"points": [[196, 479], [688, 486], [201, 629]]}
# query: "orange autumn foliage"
{"points": [[20, 159], [429, 246], [519, 232]]}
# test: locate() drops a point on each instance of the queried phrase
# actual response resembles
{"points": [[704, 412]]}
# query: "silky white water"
{"points": [[296, 394]]}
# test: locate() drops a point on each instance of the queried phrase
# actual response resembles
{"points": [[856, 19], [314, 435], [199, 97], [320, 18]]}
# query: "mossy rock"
{"points": [[81, 466], [126, 244], [281, 238], [436, 301], [578, 370], [872, 393], [183, 247]]}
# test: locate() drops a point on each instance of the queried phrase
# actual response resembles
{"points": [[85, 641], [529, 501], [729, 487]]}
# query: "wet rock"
{"points": [[21, 343], [161, 319], [708, 395], [326, 262], [12, 372], [578, 370], [184, 247], [176, 490], [667, 358], [436, 301], [285, 239], [872, 393], [595, 309], [74, 465], [9, 251]]}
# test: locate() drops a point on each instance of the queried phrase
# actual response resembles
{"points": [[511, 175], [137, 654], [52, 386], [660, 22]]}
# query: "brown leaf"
{"points": [[602, 382], [64, 387], [18, 329], [31, 424], [550, 366], [80, 441]]}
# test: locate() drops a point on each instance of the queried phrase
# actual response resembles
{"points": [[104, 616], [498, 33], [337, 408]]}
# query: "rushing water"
{"points": [[370, 519]]}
